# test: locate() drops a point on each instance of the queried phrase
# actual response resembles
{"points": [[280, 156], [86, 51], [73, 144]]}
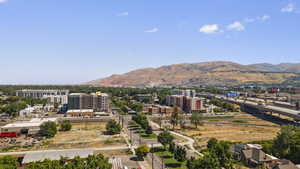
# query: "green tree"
{"points": [[175, 117], [196, 119], [142, 151], [221, 150], [165, 138], [113, 127], [287, 143], [91, 162], [65, 125], [138, 107], [172, 147], [48, 129], [209, 161], [180, 154]]}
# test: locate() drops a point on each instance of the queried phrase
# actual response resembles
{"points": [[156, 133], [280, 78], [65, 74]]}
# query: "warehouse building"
{"points": [[26, 127]]}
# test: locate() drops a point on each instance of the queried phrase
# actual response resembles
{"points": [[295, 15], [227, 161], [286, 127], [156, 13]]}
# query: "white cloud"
{"points": [[236, 26], [152, 30], [264, 18], [120, 14], [289, 8], [210, 29], [259, 18], [3, 1]]}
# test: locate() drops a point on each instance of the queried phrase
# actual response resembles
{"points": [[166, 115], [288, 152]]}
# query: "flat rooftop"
{"points": [[36, 122], [56, 155]]}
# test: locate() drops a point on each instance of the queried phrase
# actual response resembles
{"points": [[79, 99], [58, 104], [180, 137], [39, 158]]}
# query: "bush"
{"points": [[48, 129], [149, 130], [65, 125], [113, 127], [180, 154]]}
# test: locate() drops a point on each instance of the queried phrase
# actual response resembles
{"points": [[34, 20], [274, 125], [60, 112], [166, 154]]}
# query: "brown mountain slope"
{"points": [[206, 73]]}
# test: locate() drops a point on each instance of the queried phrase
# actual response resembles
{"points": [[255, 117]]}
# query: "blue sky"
{"points": [[72, 41]]}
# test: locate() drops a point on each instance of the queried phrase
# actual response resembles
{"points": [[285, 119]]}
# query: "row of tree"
{"points": [[141, 119], [91, 162]]}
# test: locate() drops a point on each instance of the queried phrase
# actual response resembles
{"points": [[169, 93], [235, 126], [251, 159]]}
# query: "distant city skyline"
{"points": [[70, 42]]}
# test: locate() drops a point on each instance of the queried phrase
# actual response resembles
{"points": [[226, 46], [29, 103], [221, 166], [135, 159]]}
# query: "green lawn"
{"points": [[168, 159]]}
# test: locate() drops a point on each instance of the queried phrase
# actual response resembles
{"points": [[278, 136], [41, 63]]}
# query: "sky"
{"points": [[74, 41]]}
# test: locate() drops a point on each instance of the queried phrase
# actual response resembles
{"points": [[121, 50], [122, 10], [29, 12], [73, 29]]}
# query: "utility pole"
{"points": [[131, 137], [152, 155]]}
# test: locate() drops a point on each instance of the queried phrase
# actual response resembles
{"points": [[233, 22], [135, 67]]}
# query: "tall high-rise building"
{"points": [[96, 101]]}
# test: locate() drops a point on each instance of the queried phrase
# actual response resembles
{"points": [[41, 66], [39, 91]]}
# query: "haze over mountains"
{"points": [[206, 73]]}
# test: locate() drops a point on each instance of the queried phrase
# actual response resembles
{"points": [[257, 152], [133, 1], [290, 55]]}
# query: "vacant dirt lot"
{"points": [[85, 135], [82, 135]]}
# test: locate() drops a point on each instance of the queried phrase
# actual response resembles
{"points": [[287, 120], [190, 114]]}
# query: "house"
{"points": [[284, 164], [256, 157], [253, 156]]}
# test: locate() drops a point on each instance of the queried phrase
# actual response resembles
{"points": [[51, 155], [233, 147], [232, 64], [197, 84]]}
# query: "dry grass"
{"points": [[232, 133]]}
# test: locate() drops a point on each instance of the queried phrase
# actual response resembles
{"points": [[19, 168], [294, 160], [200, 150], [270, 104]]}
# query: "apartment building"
{"points": [[53, 96], [186, 103], [187, 92]]}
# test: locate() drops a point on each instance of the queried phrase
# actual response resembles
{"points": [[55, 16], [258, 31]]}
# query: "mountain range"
{"points": [[219, 73]]}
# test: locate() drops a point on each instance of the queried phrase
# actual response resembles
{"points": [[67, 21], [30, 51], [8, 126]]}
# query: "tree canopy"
{"points": [[113, 127], [142, 151], [217, 155], [91, 162], [48, 129], [165, 138]]}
